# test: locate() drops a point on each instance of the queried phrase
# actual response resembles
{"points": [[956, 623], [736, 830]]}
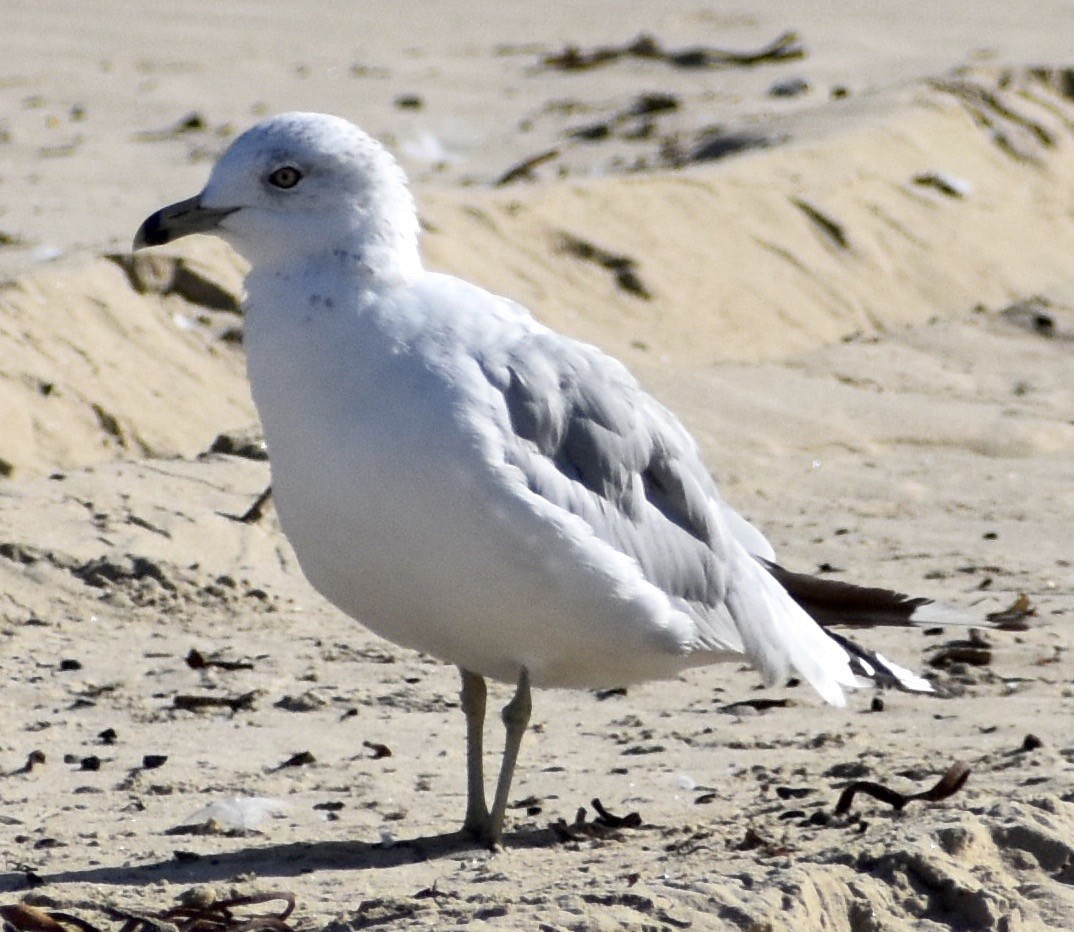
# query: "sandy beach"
{"points": [[838, 245]]}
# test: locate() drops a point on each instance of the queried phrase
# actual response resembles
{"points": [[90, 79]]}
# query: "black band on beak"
{"points": [[181, 219]]}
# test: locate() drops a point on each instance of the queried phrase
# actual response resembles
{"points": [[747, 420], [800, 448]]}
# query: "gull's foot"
{"points": [[481, 831]]}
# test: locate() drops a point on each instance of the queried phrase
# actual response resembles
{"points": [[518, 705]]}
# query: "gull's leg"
{"points": [[516, 716], [473, 706]]}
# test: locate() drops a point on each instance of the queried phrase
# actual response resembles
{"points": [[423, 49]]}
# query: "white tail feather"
{"points": [[778, 636]]}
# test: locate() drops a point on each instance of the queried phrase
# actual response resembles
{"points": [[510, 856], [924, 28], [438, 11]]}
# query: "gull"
{"points": [[469, 483]]}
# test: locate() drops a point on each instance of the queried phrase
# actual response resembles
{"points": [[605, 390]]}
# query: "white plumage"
{"points": [[457, 476]]}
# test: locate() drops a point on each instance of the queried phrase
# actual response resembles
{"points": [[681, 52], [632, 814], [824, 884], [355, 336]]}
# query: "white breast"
{"points": [[390, 487]]}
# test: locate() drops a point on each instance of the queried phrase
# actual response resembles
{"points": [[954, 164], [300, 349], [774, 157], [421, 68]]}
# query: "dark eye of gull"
{"points": [[286, 177]]}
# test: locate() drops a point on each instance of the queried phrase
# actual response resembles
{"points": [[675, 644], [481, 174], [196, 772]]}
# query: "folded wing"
{"points": [[587, 439]]}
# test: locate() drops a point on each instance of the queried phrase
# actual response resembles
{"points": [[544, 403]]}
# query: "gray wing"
{"points": [[589, 439]]}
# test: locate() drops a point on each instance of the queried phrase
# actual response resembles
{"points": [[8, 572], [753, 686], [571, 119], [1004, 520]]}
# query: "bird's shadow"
{"points": [[286, 860]]}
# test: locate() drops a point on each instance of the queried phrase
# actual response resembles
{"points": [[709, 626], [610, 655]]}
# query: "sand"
{"points": [[865, 313]]}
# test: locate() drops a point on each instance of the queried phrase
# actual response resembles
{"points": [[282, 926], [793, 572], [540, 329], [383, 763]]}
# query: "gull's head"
{"points": [[302, 185]]}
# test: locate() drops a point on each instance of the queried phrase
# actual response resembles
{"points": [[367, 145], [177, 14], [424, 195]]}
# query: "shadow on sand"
{"points": [[287, 860]]}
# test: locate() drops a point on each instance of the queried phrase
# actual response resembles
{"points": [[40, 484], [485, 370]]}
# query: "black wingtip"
{"points": [[834, 602], [878, 669]]}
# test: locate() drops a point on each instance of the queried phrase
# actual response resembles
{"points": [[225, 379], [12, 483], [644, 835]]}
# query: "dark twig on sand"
{"points": [[215, 916], [32, 760], [27, 918], [196, 660], [949, 784], [234, 703], [599, 827], [604, 817], [524, 168], [785, 47], [218, 916], [1013, 617], [253, 514], [758, 705], [623, 267]]}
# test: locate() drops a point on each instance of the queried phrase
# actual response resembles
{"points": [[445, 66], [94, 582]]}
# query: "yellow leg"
{"points": [[516, 716], [477, 821]]}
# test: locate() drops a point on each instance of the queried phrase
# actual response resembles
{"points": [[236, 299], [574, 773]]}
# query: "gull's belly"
{"points": [[472, 579], [392, 490]]}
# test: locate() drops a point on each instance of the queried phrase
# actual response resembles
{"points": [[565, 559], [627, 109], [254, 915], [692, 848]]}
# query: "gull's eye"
{"points": [[286, 177]]}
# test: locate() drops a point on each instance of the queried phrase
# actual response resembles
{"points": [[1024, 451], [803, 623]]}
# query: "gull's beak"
{"points": [[170, 223]]}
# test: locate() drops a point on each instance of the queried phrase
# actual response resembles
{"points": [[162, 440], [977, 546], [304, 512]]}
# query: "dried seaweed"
{"points": [[196, 660], [525, 168], [623, 267], [758, 705], [194, 916], [1013, 617], [599, 827], [234, 703], [785, 47], [254, 513], [950, 783]]}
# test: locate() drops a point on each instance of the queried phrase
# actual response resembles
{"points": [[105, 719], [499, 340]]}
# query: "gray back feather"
{"points": [[590, 440]]}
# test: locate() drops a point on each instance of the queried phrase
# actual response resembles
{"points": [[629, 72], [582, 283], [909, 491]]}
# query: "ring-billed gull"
{"points": [[467, 482]]}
